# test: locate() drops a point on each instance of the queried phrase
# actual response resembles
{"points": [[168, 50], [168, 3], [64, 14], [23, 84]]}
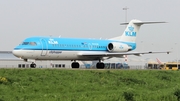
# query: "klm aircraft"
{"points": [[74, 49]]}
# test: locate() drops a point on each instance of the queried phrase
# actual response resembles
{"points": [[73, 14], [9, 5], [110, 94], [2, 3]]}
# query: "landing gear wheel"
{"points": [[100, 65], [75, 65], [33, 65]]}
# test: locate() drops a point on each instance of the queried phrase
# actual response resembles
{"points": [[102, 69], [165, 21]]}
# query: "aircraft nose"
{"points": [[17, 53]]}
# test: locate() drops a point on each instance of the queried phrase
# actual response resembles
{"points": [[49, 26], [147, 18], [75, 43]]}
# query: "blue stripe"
{"points": [[58, 49], [91, 44]]}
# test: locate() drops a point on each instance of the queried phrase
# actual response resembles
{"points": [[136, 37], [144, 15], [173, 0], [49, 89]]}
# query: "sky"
{"points": [[20, 19]]}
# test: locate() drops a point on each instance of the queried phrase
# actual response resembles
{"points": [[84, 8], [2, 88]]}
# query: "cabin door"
{"points": [[44, 47]]}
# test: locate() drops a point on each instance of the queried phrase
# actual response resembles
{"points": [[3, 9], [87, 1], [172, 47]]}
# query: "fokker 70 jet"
{"points": [[79, 49]]}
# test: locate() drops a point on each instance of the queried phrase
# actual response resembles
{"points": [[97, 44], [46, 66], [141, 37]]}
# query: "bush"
{"points": [[177, 94], [128, 96]]}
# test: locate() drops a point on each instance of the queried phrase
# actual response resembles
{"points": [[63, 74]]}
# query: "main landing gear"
{"points": [[75, 64], [33, 65], [99, 65]]}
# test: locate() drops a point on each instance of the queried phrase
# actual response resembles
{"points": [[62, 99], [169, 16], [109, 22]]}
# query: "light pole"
{"points": [[125, 8]]}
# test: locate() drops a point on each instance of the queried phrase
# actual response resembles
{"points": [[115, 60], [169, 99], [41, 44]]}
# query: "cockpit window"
{"points": [[33, 43], [25, 43], [29, 43]]}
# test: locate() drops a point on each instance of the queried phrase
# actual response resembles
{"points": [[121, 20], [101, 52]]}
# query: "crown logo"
{"points": [[131, 28]]}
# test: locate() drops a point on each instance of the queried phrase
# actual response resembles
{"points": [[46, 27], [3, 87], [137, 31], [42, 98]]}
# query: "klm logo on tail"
{"points": [[130, 32]]}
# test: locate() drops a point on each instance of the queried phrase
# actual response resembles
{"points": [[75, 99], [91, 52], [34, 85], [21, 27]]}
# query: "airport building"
{"points": [[164, 66]]}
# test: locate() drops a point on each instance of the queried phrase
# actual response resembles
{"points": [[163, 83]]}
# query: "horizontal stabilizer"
{"points": [[141, 23]]}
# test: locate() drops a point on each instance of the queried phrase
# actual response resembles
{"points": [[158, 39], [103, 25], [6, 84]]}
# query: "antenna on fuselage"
{"points": [[50, 36]]}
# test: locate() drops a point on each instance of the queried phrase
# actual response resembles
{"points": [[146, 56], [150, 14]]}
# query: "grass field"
{"points": [[89, 85]]}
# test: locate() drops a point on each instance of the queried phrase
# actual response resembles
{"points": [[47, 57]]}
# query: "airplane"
{"points": [[82, 49], [159, 62]]}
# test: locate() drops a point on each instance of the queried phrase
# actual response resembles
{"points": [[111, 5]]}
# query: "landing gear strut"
{"points": [[75, 65], [33, 65]]}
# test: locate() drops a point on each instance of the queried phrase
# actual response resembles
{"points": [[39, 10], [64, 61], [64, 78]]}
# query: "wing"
{"points": [[107, 54]]}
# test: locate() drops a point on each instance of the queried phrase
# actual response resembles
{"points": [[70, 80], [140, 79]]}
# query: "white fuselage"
{"points": [[51, 55]]}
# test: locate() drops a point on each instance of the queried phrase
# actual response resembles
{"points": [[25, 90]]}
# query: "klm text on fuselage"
{"points": [[128, 33]]}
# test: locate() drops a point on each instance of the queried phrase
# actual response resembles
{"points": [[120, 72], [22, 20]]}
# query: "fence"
{"points": [[65, 66]]}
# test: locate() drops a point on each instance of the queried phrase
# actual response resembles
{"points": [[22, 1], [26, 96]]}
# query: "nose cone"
{"points": [[17, 53]]}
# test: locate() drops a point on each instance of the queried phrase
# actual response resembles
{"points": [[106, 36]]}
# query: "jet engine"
{"points": [[118, 47]]}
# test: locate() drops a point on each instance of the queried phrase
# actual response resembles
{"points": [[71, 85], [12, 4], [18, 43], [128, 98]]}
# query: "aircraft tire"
{"points": [[100, 65], [33, 65], [75, 65]]}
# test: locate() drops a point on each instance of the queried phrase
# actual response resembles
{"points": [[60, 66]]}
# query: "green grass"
{"points": [[88, 85]]}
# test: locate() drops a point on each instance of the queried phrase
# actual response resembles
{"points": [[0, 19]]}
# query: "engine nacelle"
{"points": [[118, 47]]}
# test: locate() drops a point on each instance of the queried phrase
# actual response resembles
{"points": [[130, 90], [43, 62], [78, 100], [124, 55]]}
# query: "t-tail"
{"points": [[159, 62], [131, 30]]}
